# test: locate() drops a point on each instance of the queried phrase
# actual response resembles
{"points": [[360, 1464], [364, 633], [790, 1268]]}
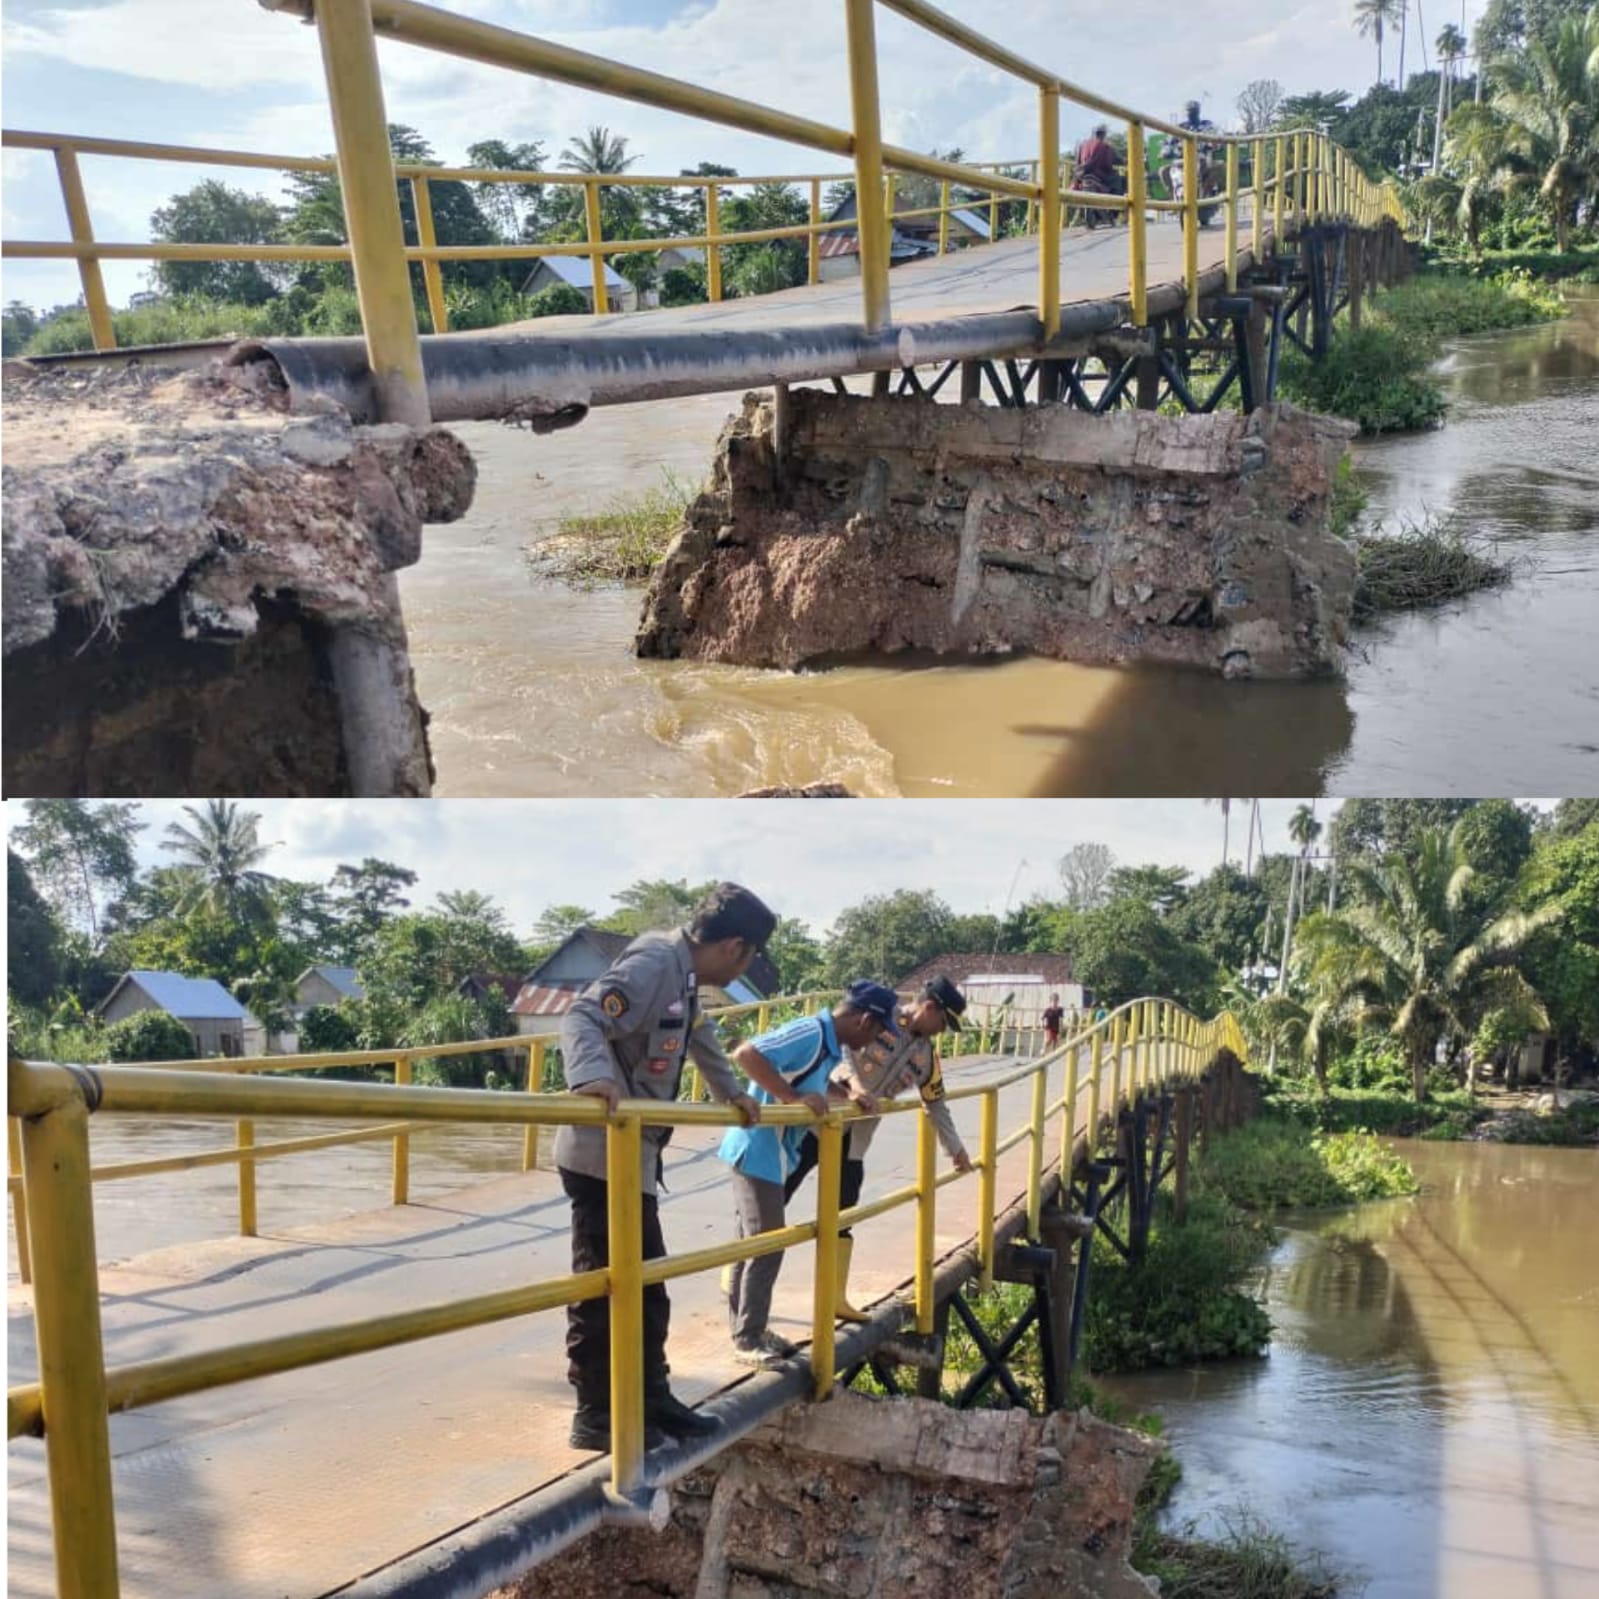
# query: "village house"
{"points": [[219, 1023], [547, 991], [325, 985], [1015, 988], [574, 272], [912, 238]]}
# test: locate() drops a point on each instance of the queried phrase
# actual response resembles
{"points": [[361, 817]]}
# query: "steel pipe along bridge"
{"points": [[1017, 294], [377, 1405]]}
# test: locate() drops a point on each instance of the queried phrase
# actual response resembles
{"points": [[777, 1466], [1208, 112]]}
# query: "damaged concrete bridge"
{"points": [[376, 1405], [1223, 251]]}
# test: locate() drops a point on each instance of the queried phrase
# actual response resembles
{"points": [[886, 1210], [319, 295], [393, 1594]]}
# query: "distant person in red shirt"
{"points": [[1053, 1016], [1096, 161]]}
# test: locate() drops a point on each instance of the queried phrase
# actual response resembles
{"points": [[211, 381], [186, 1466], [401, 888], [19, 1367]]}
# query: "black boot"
{"points": [[591, 1429], [664, 1410]]}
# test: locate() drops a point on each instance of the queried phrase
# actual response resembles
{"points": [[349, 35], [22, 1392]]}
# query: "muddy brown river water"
{"points": [[1428, 1416], [533, 689]]}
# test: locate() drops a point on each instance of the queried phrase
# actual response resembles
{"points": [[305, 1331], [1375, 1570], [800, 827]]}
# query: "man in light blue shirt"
{"points": [[788, 1066]]}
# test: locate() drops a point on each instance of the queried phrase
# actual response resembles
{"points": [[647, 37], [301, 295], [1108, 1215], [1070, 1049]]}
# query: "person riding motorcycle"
{"points": [[1208, 162], [1098, 171]]}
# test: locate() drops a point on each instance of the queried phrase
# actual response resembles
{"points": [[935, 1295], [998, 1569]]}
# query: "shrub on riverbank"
{"points": [[1180, 1303], [1388, 1108], [624, 543], [1374, 375], [1575, 1125], [1426, 563], [1575, 266], [1277, 1162], [1441, 305]]}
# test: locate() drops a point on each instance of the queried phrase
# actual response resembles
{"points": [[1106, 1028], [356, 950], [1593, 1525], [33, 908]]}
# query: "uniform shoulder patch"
{"points": [[614, 1003]]}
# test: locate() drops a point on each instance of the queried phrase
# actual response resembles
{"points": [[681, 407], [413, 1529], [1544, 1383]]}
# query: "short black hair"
{"points": [[731, 911]]}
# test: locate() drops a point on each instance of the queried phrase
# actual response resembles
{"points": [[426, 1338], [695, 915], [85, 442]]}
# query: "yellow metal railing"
{"points": [[247, 1154], [1142, 1047], [1297, 176]]}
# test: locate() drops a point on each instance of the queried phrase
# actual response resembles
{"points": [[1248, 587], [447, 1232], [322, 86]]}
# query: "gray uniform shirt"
{"points": [[634, 1025], [886, 1069]]}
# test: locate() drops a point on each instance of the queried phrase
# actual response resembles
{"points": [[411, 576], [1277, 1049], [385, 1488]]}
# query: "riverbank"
{"points": [[1378, 375], [1528, 1116]]}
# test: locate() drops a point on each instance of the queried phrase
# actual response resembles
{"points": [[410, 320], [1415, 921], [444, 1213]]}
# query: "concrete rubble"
{"points": [[862, 1498], [199, 591], [904, 524]]}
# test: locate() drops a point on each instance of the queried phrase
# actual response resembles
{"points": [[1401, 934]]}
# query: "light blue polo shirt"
{"points": [[804, 1052]]}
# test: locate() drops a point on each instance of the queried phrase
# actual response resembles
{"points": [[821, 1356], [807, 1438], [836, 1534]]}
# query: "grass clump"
{"points": [[623, 543], [1427, 563], [1384, 1107], [1278, 1162], [1248, 1561]]}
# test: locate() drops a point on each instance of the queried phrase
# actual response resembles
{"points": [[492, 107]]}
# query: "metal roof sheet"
{"points": [[189, 998]]}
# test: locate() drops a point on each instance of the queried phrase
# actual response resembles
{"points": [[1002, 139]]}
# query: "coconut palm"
{"points": [[1479, 165], [1372, 17], [219, 853], [599, 150], [1548, 93], [1451, 47], [1420, 950]]}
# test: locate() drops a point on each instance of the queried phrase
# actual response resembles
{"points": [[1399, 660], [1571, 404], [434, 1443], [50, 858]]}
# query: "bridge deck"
{"points": [[299, 1484]]}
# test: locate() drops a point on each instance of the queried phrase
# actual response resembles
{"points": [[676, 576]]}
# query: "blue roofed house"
{"points": [[325, 985], [220, 1024], [575, 273]]}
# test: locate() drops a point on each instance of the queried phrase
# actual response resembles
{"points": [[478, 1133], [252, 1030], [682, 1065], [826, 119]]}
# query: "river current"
{"points": [[533, 689]]}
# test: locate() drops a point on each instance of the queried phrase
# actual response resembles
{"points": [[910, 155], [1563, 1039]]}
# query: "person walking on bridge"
{"points": [[790, 1065], [626, 1037], [893, 1062]]}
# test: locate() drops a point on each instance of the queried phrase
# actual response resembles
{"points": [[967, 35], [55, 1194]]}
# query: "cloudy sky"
{"points": [[225, 72], [810, 859]]}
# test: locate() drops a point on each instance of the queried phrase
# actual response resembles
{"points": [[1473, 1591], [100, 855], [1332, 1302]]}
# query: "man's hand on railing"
{"points": [[602, 1088], [864, 1102], [816, 1104], [962, 1161], [746, 1107]]}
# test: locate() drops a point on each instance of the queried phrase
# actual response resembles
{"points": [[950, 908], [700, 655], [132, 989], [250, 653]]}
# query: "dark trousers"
{"points": [[851, 1175], [588, 1325]]}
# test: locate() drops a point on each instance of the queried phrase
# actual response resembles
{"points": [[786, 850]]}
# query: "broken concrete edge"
{"points": [[136, 492], [884, 526], [507, 1543]]}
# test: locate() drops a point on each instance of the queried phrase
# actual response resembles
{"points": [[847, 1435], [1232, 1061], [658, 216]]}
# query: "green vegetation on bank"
{"points": [[1578, 265], [1277, 1163], [1376, 374], [623, 543]]}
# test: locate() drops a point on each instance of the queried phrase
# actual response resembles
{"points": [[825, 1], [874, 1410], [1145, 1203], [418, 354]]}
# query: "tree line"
{"points": [[1496, 140], [201, 298], [1438, 933]]}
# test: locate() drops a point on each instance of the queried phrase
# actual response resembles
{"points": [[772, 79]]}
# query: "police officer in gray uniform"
{"points": [[626, 1037]]}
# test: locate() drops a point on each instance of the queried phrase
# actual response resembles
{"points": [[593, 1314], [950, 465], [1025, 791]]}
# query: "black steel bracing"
{"points": [[995, 1356], [1089, 1206]]}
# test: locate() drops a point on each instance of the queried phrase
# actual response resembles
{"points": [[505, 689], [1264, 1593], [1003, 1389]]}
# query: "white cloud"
{"points": [[809, 859]]}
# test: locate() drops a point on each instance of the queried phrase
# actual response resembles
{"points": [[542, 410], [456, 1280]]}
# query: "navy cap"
{"points": [[875, 1000], [948, 998]]}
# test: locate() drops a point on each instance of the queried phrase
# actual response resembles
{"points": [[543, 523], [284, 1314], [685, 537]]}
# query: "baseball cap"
{"points": [[876, 1000], [948, 998]]}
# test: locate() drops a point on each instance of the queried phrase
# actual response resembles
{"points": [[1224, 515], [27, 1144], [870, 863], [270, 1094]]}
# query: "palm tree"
{"points": [[1421, 950], [1226, 822], [1451, 47], [599, 150], [468, 905], [1479, 164], [1549, 94], [1371, 17], [218, 855]]}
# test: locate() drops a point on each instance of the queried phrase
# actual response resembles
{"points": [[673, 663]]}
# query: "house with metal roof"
{"points": [[574, 272], [911, 238], [547, 991], [218, 1021], [325, 985], [1017, 986]]}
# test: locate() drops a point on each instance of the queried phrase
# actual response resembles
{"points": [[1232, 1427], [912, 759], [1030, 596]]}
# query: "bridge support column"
{"points": [[1253, 355], [971, 381], [1062, 1233], [1185, 1135], [1357, 276], [1147, 379]]}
